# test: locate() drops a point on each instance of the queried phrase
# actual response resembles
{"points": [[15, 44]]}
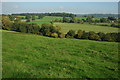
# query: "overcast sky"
{"points": [[71, 7]]}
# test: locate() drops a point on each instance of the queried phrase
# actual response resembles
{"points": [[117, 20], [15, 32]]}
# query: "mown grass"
{"points": [[34, 56], [87, 27]]}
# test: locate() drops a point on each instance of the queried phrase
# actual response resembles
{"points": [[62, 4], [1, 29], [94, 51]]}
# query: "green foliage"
{"points": [[28, 17], [40, 16], [70, 34], [33, 28], [6, 23], [85, 35], [47, 29], [55, 35], [94, 36], [107, 37], [65, 19], [111, 18], [17, 20], [79, 34], [103, 20], [33, 17], [11, 17]]}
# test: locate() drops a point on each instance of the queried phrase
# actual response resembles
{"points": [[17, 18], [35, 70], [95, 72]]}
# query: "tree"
{"points": [[79, 34], [94, 37], [66, 20], [40, 16], [70, 34], [73, 20], [33, 17], [6, 23], [103, 20], [47, 29], [111, 18], [11, 17], [107, 37], [85, 35], [28, 17], [89, 19], [101, 35]]}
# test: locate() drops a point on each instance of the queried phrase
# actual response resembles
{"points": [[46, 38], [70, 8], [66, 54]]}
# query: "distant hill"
{"points": [[98, 15]]}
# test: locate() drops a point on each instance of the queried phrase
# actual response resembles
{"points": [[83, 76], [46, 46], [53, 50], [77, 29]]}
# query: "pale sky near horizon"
{"points": [[60, 0], [71, 7]]}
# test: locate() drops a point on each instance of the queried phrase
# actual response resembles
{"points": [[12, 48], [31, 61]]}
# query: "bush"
{"points": [[94, 37], [55, 35], [70, 34], [108, 37], [101, 35], [61, 35], [47, 29], [79, 34], [85, 35]]}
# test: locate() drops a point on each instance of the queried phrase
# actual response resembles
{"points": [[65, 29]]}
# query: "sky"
{"points": [[69, 7]]}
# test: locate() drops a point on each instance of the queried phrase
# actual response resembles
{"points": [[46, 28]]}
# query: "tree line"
{"points": [[46, 14], [51, 30], [91, 20]]}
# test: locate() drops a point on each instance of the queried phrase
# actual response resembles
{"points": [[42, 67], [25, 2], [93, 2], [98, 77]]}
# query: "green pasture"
{"points": [[87, 27], [35, 56], [45, 19]]}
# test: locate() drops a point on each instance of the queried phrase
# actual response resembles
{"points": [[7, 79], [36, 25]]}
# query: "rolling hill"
{"points": [[35, 56]]}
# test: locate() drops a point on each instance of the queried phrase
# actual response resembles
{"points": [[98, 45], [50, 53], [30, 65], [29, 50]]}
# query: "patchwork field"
{"points": [[76, 26], [35, 56]]}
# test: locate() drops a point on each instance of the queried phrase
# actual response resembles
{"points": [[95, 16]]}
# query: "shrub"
{"points": [[101, 35], [61, 35], [94, 37], [47, 29], [70, 34], [55, 35], [79, 34], [108, 37], [85, 35]]}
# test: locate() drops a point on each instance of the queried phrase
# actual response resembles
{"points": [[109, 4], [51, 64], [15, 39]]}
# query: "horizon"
{"points": [[60, 7]]}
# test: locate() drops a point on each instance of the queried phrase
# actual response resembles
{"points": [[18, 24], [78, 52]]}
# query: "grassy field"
{"points": [[75, 26], [45, 19], [87, 27], [34, 56]]}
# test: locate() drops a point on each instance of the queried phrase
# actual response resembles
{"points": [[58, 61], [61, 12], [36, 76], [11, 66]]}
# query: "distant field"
{"points": [[67, 26], [35, 56], [87, 27], [45, 19]]}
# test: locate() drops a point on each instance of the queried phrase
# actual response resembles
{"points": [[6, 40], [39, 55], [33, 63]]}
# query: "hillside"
{"points": [[34, 56]]}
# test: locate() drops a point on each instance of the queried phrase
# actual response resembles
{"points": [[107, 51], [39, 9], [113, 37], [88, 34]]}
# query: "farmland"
{"points": [[46, 19], [59, 40], [35, 56], [75, 26], [86, 27]]}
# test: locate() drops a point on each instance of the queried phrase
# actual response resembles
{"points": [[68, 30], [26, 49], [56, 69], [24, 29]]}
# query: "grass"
{"points": [[45, 19], [34, 56], [87, 27]]}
